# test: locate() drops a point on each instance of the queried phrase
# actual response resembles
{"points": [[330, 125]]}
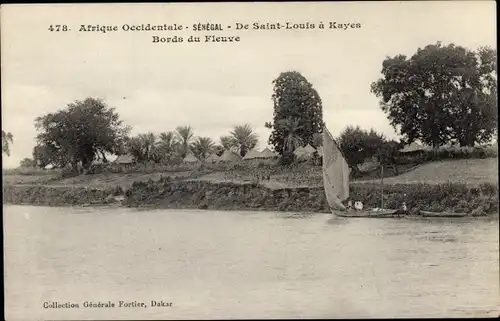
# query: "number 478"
{"points": [[58, 28]]}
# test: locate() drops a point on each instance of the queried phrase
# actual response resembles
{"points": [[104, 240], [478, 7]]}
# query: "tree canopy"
{"points": [[81, 131], [358, 145], [202, 147], [441, 94], [7, 139], [295, 99], [242, 139], [184, 135]]}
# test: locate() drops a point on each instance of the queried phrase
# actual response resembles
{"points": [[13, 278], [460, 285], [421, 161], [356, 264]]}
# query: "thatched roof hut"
{"points": [[253, 154], [304, 152], [190, 158], [229, 156], [267, 153], [213, 158], [414, 147], [125, 159]]}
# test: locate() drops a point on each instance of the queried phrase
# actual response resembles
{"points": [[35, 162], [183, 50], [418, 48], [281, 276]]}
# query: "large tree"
{"points": [[441, 94], [7, 139], [81, 131], [295, 98]]}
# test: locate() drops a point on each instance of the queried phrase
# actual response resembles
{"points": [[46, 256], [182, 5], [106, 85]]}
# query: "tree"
{"points": [[357, 145], [387, 152], [243, 139], [7, 139], [167, 145], [226, 142], [44, 155], [185, 136], [441, 94], [27, 162], [295, 98], [202, 147], [290, 128], [81, 131], [317, 140], [218, 150], [144, 148]]}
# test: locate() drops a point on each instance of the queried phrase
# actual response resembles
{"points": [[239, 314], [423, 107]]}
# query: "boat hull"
{"points": [[367, 214], [441, 214]]}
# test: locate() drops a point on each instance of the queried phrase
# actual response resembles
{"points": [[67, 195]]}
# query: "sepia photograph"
{"points": [[250, 160]]}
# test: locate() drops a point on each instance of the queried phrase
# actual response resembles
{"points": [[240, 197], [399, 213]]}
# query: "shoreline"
{"points": [[226, 196]]}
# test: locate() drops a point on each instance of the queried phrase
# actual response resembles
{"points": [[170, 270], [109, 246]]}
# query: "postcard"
{"points": [[266, 160]]}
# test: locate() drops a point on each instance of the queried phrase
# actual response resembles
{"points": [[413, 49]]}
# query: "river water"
{"points": [[216, 264]]}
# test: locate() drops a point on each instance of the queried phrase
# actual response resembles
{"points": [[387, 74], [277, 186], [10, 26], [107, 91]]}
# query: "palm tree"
{"points": [[202, 147], [243, 139], [226, 142], [292, 140], [185, 135], [143, 147], [167, 144]]}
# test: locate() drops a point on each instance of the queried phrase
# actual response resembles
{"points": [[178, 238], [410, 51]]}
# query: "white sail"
{"points": [[335, 173]]}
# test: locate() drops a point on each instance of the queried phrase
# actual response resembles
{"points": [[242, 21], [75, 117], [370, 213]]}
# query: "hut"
{"points": [[414, 148], [125, 160], [252, 155], [213, 158], [268, 154], [190, 158], [229, 156], [306, 152]]}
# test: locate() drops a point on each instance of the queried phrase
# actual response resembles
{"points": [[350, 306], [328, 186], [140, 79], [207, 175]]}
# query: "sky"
{"points": [[212, 87]]}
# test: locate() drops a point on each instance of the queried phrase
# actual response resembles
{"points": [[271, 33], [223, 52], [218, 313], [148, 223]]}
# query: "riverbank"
{"points": [[166, 193]]}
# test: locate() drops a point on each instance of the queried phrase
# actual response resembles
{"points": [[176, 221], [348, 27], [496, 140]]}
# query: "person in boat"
{"points": [[358, 205], [349, 205]]}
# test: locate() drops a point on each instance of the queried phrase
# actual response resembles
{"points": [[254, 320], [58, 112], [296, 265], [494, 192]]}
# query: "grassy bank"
{"points": [[57, 196], [461, 198], [168, 193]]}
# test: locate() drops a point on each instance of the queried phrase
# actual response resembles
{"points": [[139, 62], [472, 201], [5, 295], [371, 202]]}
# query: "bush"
{"points": [[455, 152]]}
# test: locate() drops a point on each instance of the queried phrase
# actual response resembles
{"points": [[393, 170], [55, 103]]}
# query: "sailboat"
{"points": [[336, 182]]}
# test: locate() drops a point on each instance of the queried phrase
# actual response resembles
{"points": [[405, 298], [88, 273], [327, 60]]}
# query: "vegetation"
{"points": [[202, 147], [7, 139], [242, 139], [296, 103], [166, 193], [441, 94], [79, 133], [184, 136], [359, 145], [27, 163]]}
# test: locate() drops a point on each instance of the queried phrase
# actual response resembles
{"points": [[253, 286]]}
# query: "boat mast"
{"points": [[382, 186]]}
